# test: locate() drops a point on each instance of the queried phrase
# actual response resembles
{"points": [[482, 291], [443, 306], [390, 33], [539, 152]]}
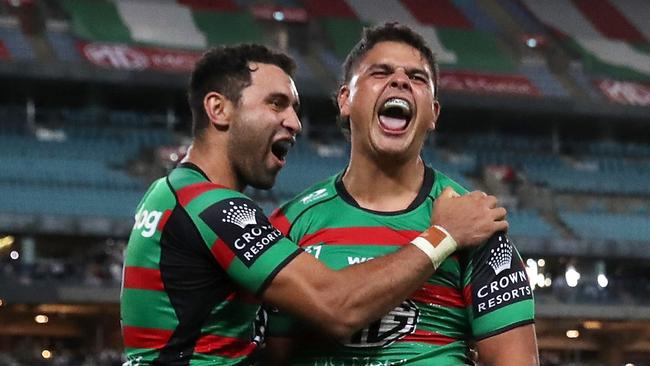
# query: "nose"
{"points": [[292, 122], [400, 80]]}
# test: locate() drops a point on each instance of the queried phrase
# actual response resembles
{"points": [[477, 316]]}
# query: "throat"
{"points": [[377, 189]]}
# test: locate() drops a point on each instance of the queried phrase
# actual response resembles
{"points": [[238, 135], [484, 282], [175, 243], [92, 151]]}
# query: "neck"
{"points": [[211, 157], [384, 186]]}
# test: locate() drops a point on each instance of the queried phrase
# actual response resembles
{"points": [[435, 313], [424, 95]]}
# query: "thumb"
{"points": [[448, 192]]}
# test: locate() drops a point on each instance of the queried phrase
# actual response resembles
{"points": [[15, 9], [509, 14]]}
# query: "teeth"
{"points": [[398, 103]]}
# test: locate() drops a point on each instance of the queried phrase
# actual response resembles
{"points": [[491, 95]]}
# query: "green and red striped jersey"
{"points": [[475, 293], [196, 255]]}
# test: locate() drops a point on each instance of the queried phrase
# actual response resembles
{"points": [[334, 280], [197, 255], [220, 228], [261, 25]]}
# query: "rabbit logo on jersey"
{"points": [[500, 277], [397, 324], [242, 226]]}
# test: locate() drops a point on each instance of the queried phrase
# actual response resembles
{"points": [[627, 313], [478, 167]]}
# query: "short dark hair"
{"points": [[226, 70], [387, 32]]}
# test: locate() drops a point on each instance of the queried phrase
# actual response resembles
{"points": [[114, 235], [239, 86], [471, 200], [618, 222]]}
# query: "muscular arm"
{"points": [[337, 301], [517, 346]]}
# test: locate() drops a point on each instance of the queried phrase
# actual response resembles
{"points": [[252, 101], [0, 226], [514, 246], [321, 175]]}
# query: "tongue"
{"points": [[392, 123]]}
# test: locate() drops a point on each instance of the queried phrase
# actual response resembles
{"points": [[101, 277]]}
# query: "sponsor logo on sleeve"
{"points": [[241, 224], [147, 221], [500, 278]]}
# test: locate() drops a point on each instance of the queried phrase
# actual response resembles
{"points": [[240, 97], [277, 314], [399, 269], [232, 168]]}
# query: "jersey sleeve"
{"points": [[500, 294], [244, 242]]}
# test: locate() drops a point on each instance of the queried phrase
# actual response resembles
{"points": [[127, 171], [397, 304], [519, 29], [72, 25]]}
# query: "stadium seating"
{"points": [[63, 45], [606, 226], [614, 48], [16, 43], [529, 223], [195, 24]]}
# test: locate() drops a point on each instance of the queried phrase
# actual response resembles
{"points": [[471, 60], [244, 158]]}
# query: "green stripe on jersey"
{"points": [[147, 309], [254, 277], [504, 317], [145, 355], [231, 319]]}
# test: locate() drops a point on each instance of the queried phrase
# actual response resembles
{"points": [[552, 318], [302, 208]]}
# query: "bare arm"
{"points": [[337, 301], [517, 346]]}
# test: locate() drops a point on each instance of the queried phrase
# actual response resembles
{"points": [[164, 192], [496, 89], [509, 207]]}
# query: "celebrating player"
{"points": [[200, 250], [381, 202]]}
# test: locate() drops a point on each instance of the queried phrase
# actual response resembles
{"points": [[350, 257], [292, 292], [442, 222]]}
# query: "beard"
{"points": [[248, 149]]}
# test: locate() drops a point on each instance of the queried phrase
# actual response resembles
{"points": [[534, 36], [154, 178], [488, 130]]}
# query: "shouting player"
{"points": [[200, 250], [381, 202]]}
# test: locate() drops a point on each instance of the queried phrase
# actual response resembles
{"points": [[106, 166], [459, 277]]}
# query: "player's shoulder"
{"points": [[311, 197], [194, 190], [442, 180]]}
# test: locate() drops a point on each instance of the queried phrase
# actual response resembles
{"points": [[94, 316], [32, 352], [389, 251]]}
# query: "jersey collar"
{"points": [[425, 189], [194, 167]]}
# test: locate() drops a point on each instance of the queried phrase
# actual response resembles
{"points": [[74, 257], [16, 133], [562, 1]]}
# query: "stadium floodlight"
{"points": [[572, 333], [41, 319], [548, 282], [532, 271], [602, 277], [572, 276], [602, 280], [278, 15]]}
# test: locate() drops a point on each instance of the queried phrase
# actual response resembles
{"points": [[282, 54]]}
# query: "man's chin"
{"points": [[263, 182]]}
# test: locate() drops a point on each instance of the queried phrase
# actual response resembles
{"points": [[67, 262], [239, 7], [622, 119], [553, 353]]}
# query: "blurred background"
{"points": [[546, 104]]}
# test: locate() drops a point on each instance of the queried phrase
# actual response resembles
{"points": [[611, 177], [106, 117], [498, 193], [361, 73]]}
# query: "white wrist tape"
{"points": [[439, 251]]}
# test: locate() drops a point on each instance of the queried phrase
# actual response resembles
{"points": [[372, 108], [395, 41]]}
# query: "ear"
{"points": [[343, 100], [436, 113], [218, 108]]}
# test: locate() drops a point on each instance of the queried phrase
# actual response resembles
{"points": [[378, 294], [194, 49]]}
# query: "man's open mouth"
{"points": [[280, 148], [395, 114]]}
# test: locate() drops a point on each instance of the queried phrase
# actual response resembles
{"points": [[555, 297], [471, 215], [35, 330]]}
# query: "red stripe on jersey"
{"points": [[360, 235], [280, 221], [163, 219], [187, 194], [467, 294], [439, 295], [137, 337], [424, 336], [222, 253], [143, 278], [224, 346]]}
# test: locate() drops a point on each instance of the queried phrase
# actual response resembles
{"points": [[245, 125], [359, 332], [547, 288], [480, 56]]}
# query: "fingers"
{"points": [[501, 225], [499, 213], [491, 201]]}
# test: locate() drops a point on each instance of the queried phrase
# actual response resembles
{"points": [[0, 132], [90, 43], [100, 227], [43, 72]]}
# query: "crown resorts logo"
{"points": [[241, 216], [501, 256]]}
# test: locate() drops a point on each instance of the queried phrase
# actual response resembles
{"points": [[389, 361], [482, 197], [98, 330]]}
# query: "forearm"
{"points": [[368, 291], [341, 302]]}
